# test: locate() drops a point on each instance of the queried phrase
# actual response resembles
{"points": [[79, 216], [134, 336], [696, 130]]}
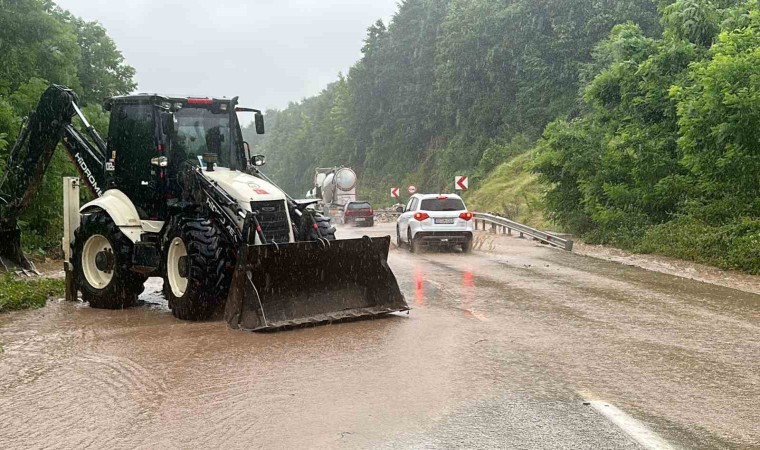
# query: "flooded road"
{"points": [[500, 350]]}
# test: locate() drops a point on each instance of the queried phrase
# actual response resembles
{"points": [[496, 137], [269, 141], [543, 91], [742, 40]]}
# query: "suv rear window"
{"points": [[363, 205], [440, 204]]}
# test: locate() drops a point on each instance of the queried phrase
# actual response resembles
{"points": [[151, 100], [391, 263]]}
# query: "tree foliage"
{"points": [[42, 44], [448, 86], [667, 145], [641, 116]]}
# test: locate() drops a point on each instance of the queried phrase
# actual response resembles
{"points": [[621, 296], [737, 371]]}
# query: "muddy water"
{"points": [[499, 350]]}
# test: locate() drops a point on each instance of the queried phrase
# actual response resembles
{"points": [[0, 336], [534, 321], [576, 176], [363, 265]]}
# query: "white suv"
{"points": [[435, 219]]}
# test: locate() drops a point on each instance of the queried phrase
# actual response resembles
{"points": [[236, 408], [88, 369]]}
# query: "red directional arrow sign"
{"points": [[461, 183], [394, 192]]}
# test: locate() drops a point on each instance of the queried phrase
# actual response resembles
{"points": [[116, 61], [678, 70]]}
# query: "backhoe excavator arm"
{"points": [[30, 156]]}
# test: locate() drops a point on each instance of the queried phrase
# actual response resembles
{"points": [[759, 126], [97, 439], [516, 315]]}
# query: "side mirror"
{"points": [[159, 161], [259, 121], [258, 160]]}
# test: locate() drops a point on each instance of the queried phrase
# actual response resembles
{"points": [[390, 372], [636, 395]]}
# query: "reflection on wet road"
{"points": [[498, 351]]}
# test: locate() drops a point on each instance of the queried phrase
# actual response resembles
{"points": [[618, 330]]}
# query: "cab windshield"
{"points": [[200, 130]]}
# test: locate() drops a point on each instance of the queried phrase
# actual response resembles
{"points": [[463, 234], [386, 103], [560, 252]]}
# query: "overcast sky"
{"points": [[269, 52]]}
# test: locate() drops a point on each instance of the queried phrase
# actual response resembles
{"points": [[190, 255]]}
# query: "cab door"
{"points": [[132, 145]]}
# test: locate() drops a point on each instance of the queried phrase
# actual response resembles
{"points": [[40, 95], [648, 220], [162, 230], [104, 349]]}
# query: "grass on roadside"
{"points": [[731, 246], [17, 294], [512, 191]]}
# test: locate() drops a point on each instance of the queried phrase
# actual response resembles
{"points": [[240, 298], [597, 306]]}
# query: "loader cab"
{"points": [[151, 136]]}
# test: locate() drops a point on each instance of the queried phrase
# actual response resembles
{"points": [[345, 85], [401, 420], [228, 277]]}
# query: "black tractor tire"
{"points": [[206, 270], [324, 229], [124, 286]]}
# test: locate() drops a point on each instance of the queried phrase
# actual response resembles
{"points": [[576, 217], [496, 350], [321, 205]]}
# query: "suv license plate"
{"points": [[444, 221], [359, 219]]}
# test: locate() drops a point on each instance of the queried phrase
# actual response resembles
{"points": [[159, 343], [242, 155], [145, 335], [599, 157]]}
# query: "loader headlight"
{"points": [[160, 161]]}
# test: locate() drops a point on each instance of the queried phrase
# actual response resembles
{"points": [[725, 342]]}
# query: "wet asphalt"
{"points": [[502, 349]]}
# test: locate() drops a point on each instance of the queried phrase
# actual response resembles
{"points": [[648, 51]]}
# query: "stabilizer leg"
{"points": [[11, 256]]}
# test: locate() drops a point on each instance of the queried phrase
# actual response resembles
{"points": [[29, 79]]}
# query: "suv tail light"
{"points": [[466, 215], [420, 216]]}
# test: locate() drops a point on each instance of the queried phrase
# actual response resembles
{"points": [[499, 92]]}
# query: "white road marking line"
{"points": [[632, 427]]}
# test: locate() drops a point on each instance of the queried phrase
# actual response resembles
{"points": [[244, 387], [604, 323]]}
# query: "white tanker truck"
{"points": [[334, 187]]}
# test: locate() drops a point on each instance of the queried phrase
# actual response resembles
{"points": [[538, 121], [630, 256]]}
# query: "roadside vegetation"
{"points": [[514, 192], [628, 123], [663, 156], [42, 44], [17, 294]]}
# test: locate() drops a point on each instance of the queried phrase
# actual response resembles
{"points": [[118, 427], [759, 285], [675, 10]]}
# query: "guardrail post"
{"points": [[493, 228], [521, 235]]}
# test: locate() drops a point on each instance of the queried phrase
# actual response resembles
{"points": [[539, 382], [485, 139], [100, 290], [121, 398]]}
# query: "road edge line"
{"points": [[630, 426]]}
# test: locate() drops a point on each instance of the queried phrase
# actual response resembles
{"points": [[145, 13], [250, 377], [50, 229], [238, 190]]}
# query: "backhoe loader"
{"points": [[178, 195]]}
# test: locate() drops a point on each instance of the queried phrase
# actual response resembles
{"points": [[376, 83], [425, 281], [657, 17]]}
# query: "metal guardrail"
{"points": [[506, 226], [384, 215], [509, 225]]}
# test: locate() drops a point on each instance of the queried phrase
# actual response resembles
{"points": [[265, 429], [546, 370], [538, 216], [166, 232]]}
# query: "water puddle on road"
{"points": [[139, 377]]}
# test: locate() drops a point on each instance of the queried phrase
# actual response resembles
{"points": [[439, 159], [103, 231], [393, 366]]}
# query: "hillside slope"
{"points": [[512, 191]]}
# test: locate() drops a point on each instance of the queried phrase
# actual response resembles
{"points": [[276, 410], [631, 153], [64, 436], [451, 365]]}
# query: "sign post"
{"points": [[461, 183]]}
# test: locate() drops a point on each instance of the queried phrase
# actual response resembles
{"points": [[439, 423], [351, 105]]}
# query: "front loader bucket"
{"points": [[286, 285], [11, 255]]}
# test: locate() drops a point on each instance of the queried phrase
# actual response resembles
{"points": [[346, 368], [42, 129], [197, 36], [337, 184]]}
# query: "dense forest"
{"points": [[633, 123], [448, 86], [42, 44]]}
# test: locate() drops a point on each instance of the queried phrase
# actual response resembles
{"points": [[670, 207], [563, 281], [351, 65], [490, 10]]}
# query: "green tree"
{"points": [[41, 44], [719, 121], [664, 156], [101, 69], [35, 43]]}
